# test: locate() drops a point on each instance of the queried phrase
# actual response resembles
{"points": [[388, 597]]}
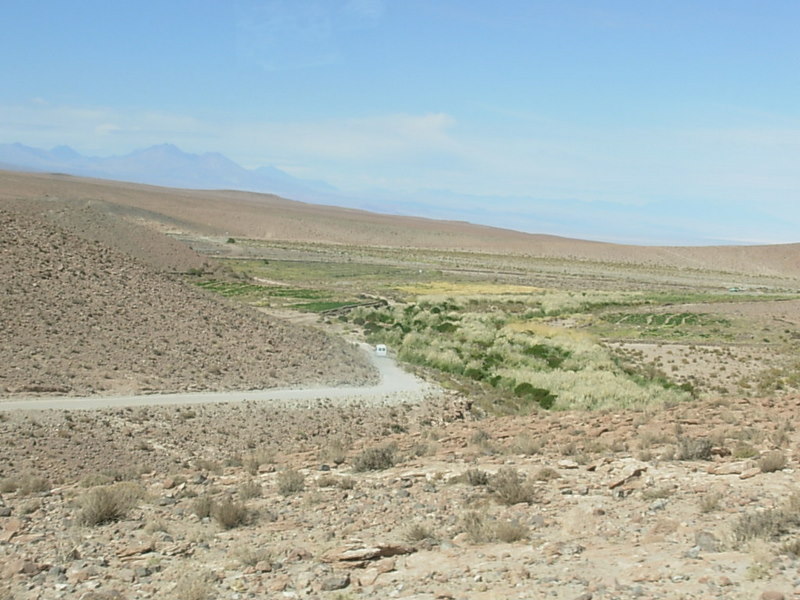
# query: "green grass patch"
{"points": [[319, 307]]}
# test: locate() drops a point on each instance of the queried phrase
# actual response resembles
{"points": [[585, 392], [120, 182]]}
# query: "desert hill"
{"points": [[270, 217], [86, 308]]}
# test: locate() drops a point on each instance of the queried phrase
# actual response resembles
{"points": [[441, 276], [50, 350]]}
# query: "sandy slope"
{"points": [[81, 317], [270, 217]]}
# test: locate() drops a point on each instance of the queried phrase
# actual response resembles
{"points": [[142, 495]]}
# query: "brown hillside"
{"points": [[80, 317], [266, 216]]}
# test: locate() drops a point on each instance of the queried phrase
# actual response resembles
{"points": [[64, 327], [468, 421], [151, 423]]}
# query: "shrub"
{"points": [[478, 531], [376, 459], [767, 524], [26, 485], [710, 502], [194, 587], [546, 474], [417, 532], [772, 461], [229, 514], [694, 449], [105, 504], [744, 450], [476, 477], [291, 482], [8, 485], [335, 452], [252, 462], [327, 480], [250, 489], [203, 506], [509, 487], [527, 444], [249, 555], [511, 531]]}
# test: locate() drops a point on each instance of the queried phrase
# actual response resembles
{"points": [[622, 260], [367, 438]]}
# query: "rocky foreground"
{"points": [[245, 501]]}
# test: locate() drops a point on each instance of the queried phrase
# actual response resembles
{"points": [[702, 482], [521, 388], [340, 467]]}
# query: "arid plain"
{"points": [[592, 420]]}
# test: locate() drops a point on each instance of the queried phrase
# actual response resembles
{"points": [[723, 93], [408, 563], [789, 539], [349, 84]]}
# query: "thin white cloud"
{"points": [[287, 34]]}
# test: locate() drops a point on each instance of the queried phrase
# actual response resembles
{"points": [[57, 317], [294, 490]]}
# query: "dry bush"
{"points": [[657, 493], [482, 439], [253, 461], [249, 489], [249, 556], [481, 530], [346, 483], [95, 479], [709, 502], [694, 449], [327, 480], [527, 444], [26, 484], [192, 586], [476, 477], [772, 461], [478, 530], [229, 514], [211, 466], [418, 532], [546, 474], [8, 485], [105, 504], [511, 531], [203, 506], [792, 548], [291, 482], [768, 524], [509, 487], [744, 450], [376, 459], [335, 451]]}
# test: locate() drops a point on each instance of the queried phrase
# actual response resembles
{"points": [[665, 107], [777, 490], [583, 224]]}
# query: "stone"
{"points": [[136, 549], [11, 528], [335, 582], [772, 595], [20, 566], [733, 468], [706, 541], [629, 473], [360, 554], [748, 473]]}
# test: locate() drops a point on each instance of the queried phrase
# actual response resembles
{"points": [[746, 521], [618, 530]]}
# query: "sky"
{"points": [[621, 120]]}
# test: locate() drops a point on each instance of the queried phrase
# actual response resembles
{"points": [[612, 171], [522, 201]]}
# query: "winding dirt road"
{"points": [[395, 386]]}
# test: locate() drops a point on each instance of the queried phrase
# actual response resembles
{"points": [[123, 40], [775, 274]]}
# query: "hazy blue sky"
{"points": [[681, 114]]}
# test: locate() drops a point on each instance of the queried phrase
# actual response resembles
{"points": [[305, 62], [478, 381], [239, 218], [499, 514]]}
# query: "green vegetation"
{"points": [[505, 343], [519, 333]]}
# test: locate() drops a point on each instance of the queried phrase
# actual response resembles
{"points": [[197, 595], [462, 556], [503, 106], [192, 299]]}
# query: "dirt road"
{"points": [[395, 386]]}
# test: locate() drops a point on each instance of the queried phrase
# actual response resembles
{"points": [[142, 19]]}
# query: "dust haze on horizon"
{"points": [[649, 123]]}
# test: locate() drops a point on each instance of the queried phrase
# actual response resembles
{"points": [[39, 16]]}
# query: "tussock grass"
{"points": [[509, 487], [376, 459], [105, 504], [772, 461], [291, 482], [230, 514]]}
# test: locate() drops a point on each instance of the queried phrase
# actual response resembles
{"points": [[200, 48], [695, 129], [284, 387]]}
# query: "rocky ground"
{"points": [[245, 501], [87, 306]]}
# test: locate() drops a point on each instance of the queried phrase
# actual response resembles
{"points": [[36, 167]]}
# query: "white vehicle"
{"points": [[380, 350]]}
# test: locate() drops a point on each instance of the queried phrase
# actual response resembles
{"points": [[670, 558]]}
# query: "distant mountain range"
{"points": [[664, 222], [165, 165]]}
